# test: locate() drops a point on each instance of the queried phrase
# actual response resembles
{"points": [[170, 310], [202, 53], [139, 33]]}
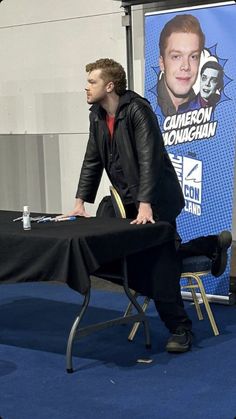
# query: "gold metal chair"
{"points": [[117, 203], [194, 268]]}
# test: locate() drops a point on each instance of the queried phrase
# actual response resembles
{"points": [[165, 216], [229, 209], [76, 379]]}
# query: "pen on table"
{"points": [[72, 218], [18, 219], [38, 219], [49, 219], [45, 220]]}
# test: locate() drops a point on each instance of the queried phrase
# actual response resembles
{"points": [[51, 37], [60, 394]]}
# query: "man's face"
{"points": [[96, 88], [208, 82], [180, 63]]}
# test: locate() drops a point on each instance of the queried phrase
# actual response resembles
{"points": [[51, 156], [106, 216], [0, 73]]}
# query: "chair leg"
{"points": [[130, 306], [207, 305], [136, 305], [197, 305], [189, 277], [195, 299], [137, 324]]}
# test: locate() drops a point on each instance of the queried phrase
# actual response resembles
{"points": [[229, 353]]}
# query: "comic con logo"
{"points": [[189, 172]]}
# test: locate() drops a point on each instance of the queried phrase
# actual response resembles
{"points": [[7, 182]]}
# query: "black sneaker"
{"points": [[219, 260], [180, 341]]}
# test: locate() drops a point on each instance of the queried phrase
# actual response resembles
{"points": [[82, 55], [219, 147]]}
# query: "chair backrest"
{"points": [[106, 208], [117, 203]]}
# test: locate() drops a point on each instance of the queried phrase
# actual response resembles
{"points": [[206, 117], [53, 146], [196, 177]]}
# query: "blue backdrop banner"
{"points": [[190, 72]]}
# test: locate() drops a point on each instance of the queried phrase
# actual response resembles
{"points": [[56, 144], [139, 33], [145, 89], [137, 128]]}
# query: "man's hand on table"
{"points": [[145, 214], [79, 209]]}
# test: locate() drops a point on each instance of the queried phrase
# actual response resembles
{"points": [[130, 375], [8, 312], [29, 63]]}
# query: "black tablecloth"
{"points": [[70, 251]]}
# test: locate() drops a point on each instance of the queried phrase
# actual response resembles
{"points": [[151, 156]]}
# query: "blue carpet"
{"points": [[35, 321]]}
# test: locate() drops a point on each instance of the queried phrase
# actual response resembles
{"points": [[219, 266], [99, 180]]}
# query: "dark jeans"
{"points": [[168, 302]]}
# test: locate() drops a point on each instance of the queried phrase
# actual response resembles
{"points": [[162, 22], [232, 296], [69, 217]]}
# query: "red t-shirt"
{"points": [[110, 120]]}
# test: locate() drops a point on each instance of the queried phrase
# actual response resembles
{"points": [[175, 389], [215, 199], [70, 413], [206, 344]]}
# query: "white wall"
{"points": [[44, 47]]}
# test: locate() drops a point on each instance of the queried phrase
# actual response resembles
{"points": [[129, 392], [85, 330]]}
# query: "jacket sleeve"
{"points": [[92, 168], [150, 150]]}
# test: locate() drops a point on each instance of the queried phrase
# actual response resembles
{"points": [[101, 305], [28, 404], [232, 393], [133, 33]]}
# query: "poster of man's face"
{"points": [[182, 48], [190, 62], [211, 82]]}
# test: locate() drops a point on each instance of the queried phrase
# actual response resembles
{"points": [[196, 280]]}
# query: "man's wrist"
{"points": [[145, 204], [79, 201]]}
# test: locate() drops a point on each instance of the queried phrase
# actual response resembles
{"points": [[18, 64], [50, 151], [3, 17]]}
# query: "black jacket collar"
{"points": [[125, 100]]}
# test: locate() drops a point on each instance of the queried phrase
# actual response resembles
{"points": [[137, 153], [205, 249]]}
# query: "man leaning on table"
{"points": [[125, 140]]}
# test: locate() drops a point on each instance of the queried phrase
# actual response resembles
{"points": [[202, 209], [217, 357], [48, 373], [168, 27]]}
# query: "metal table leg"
{"points": [[73, 333], [77, 332]]}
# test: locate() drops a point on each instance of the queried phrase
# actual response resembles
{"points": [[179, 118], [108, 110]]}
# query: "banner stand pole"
{"points": [[127, 23]]}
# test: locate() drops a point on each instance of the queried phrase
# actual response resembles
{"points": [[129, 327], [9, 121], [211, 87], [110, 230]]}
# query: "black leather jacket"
{"points": [[146, 165]]}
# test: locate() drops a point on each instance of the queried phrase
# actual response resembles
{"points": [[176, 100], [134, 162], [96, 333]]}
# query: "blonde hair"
{"points": [[110, 71]]}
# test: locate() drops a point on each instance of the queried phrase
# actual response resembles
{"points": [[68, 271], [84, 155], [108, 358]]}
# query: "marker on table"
{"points": [[45, 220], [72, 218], [49, 219], [18, 219]]}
